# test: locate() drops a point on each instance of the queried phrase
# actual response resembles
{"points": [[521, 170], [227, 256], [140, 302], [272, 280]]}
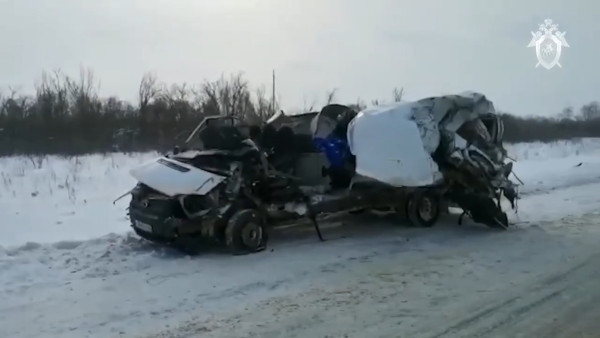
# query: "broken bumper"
{"points": [[155, 220]]}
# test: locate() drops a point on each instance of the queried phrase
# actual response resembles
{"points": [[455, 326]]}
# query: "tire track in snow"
{"points": [[526, 301]]}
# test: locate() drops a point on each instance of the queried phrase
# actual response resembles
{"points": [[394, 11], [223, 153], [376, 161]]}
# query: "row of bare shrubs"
{"points": [[66, 116]]}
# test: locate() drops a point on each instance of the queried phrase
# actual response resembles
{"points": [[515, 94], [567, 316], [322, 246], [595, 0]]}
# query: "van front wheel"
{"points": [[246, 232]]}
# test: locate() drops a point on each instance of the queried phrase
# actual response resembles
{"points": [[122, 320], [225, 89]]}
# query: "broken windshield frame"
{"points": [[204, 123]]}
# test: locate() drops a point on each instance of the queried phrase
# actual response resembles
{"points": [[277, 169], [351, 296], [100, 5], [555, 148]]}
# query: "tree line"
{"points": [[66, 116]]}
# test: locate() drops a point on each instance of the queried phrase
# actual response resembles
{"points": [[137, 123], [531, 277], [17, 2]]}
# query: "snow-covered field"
{"points": [[69, 266]]}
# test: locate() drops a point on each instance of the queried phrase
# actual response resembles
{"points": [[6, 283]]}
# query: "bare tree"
{"points": [[567, 113], [263, 107], [209, 98], [227, 97], [177, 101], [358, 106], [12, 92], [83, 94], [14, 105], [330, 97], [180, 92], [6, 100], [238, 97], [590, 111], [306, 107], [148, 91], [52, 95], [397, 94], [66, 116]]}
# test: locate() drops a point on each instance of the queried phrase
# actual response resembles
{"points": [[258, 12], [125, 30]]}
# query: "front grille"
{"points": [[160, 207]]}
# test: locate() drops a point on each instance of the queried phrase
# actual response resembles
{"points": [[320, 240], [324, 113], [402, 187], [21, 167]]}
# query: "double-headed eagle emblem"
{"points": [[548, 43]]}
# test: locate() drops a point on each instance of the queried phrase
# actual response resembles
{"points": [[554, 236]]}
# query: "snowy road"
{"points": [[538, 280], [373, 277], [564, 302], [61, 275]]}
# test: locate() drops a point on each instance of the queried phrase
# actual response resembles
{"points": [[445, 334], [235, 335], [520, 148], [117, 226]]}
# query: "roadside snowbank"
{"points": [[50, 199]]}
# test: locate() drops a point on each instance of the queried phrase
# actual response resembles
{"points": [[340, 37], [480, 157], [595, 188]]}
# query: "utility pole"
{"points": [[273, 95]]}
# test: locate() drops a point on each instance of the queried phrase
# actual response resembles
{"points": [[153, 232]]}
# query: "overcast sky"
{"points": [[362, 48]]}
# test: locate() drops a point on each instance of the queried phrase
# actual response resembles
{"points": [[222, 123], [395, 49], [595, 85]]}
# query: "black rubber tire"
{"points": [[246, 233], [415, 203], [501, 221]]}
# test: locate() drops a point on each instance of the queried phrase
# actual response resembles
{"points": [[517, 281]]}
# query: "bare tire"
{"points": [[245, 232], [423, 208]]}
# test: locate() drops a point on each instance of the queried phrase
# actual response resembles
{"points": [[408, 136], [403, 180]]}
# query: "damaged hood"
{"points": [[406, 143], [174, 178]]}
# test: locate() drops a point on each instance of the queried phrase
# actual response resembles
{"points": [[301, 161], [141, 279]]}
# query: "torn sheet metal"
{"points": [[397, 143]]}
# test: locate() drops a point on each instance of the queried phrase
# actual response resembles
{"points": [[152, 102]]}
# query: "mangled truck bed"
{"points": [[453, 142]]}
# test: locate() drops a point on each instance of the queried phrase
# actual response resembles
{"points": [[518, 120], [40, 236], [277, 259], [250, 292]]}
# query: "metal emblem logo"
{"points": [[548, 43]]}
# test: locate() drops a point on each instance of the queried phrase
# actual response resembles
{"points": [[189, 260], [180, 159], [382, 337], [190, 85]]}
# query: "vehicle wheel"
{"points": [[245, 232], [499, 221], [423, 208]]}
